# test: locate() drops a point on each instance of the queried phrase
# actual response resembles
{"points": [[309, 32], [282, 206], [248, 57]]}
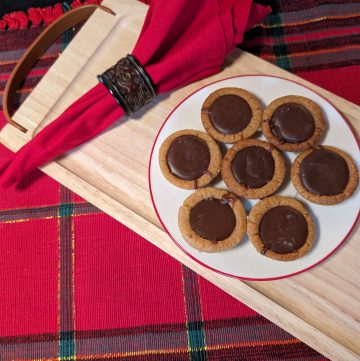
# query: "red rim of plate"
{"points": [[214, 269]]}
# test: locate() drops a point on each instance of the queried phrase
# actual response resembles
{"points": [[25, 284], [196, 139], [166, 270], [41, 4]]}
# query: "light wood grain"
{"points": [[321, 306]]}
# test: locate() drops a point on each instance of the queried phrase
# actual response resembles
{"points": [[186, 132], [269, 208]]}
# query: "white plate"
{"points": [[333, 224]]}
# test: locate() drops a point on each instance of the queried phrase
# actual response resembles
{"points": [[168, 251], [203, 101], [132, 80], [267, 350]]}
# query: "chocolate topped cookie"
{"points": [[324, 175], [253, 169], [283, 222], [231, 114], [212, 220], [324, 172], [189, 159], [281, 228], [292, 123], [253, 166]]}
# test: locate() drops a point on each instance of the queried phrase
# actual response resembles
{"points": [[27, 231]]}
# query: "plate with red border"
{"points": [[333, 224]]}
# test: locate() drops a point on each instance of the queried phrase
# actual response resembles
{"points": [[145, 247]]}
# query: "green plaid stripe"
{"points": [[47, 212], [69, 34], [280, 49], [67, 348], [250, 337], [66, 276], [194, 324], [308, 35]]}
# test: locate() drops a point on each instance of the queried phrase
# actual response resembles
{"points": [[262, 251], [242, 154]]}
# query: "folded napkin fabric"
{"points": [[181, 42]]}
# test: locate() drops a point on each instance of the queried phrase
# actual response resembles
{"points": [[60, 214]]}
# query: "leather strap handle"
{"points": [[37, 49]]}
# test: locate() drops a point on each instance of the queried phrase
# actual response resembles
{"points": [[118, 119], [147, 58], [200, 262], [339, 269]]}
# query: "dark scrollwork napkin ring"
{"points": [[129, 83]]}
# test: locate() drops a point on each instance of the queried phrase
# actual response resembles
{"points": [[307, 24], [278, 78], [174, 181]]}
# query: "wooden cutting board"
{"points": [[321, 306]]}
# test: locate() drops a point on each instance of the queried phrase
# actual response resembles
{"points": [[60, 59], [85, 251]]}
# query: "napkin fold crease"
{"points": [[180, 42]]}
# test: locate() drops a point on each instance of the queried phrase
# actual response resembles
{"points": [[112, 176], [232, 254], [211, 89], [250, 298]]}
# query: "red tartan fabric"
{"points": [[35, 16], [74, 283]]}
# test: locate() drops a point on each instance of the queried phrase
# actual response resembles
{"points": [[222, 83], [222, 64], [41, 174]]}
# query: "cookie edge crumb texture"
{"points": [[311, 106], [250, 129], [207, 177], [258, 212], [205, 245]]}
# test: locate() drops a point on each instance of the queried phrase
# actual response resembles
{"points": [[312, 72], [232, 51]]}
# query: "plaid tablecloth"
{"points": [[75, 284]]}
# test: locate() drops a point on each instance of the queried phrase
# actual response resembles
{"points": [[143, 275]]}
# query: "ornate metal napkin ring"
{"points": [[129, 83]]}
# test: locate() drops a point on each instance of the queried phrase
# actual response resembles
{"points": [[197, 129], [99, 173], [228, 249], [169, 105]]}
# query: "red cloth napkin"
{"points": [[181, 41]]}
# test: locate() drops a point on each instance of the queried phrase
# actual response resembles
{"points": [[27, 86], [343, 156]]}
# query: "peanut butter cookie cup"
{"points": [[212, 220], [292, 123], [325, 175], [189, 159], [281, 228], [253, 169], [231, 114]]}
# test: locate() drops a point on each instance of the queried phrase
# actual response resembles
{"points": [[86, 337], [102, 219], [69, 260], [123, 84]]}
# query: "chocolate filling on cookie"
{"points": [[188, 157], [212, 219], [253, 166], [283, 230], [324, 172], [292, 123], [230, 114]]}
